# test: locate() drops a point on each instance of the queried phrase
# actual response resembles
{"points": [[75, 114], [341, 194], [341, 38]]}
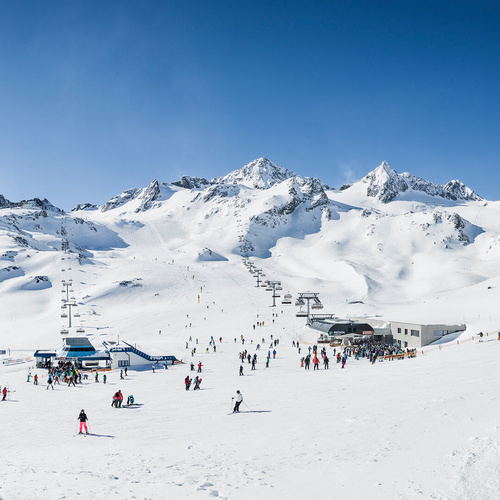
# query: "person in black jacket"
{"points": [[83, 422]]}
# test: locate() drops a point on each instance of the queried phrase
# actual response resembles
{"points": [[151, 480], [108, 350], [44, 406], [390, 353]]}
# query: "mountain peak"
{"points": [[385, 184], [260, 174]]}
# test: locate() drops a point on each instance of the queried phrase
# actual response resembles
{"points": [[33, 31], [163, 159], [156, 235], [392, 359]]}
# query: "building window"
{"points": [[415, 333], [123, 362], [399, 330], [406, 331]]}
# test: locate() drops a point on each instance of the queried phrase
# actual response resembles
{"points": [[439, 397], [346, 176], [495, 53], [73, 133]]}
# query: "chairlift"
{"points": [[299, 303], [288, 296], [72, 298], [316, 306], [301, 314], [286, 302], [64, 315], [276, 296], [63, 300], [64, 332], [77, 315], [269, 289], [263, 285], [63, 269], [279, 288], [80, 330]]}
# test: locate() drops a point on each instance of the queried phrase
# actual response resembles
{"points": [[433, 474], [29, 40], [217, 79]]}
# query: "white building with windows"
{"points": [[414, 334]]}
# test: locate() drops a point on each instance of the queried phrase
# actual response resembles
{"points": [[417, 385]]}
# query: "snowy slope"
{"points": [[141, 264]]}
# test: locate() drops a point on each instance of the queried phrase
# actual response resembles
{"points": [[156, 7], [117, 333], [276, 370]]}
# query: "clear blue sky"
{"points": [[100, 96]]}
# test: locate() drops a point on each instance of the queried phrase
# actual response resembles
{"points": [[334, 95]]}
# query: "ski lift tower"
{"points": [[313, 302], [68, 302], [258, 273], [273, 286]]}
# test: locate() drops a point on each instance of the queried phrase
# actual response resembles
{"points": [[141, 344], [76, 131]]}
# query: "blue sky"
{"points": [[100, 96]]}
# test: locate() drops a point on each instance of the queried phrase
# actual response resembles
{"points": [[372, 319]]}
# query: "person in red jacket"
{"points": [[316, 363], [4, 393]]}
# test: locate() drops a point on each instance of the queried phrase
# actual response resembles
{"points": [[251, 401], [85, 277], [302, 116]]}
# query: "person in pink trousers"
{"points": [[83, 422]]}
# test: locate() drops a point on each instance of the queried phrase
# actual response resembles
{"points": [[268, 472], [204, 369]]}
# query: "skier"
{"points": [[239, 400], [192, 367], [126, 371], [316, 363], [97, 376], [104, 378], [4, 393], [241, 370], [153, 366], [326, 361], [29, 375], [121, 374], [35, 379], [49, 382], [199, 367], [187, 382], [83, 422], [197, 382]]}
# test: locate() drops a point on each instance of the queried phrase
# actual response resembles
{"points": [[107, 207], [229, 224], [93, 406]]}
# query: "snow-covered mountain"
{"points": [[384, 242], [162, 266], [385, 184]]}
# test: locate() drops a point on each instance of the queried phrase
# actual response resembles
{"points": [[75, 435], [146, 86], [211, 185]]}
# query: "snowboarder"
{"points": [[130, 400], [83, 421], [197, 382], [239, 400]]}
